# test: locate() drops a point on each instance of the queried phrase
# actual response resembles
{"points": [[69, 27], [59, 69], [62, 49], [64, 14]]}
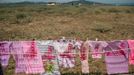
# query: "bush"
{"points": [[102, 9], [97, 11], [2, 18], [23, 18], [82, 10], [102, 28], [114, 10]]}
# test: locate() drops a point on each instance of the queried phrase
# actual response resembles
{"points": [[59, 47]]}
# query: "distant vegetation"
{"points": [[41, 21]]}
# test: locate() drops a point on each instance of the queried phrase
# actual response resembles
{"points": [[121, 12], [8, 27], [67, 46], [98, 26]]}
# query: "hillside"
{"points": [[84, 2]]}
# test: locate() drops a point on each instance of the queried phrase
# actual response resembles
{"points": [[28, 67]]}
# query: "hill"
{"points": [[84, 2]]}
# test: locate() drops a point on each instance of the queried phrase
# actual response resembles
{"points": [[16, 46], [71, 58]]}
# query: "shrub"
{"points": [[103, 10], [2, 18], [23, 18], [114, 10], [97, 11], [81, 10], [102, 28]]}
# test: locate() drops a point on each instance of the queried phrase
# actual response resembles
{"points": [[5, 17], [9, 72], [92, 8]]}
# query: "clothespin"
{"points": [[96, 39], [63, 38]]}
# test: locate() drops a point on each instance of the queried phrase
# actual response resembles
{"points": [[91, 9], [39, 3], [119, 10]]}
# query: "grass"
{"points": [[25, 22]]}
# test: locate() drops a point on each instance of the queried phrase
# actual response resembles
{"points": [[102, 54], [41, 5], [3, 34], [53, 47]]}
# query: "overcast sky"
{"points": [[103, 1], [7, 1], [114, 1]]}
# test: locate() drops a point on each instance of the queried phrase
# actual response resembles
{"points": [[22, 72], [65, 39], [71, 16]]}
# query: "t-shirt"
{"points": [[116, 57], [84, 57], [4, 52], [49, 57], [96, 47], [27, 57], [65, 56], [131, 56]]}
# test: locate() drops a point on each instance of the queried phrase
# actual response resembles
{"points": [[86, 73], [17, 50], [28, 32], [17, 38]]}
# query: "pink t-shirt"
{"points": [[84, 57], [131, 56], [116, 57], [27, 57], [96, 47], [4, 52]]}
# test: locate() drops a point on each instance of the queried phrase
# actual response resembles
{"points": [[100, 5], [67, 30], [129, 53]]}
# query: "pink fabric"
{"points": [[17, 52], [84, 58], [116, 63], [85, 67], [131, 56], [96, 47], [49, 57], [4, 52], [117, 57], [49, 54], [27, 57], [67, 57]]}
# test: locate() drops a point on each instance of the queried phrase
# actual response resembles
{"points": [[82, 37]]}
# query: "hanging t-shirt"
{"points": [[96, 47], [78, 44], [27, 57], [84, 58], [131, 55], [65, 56], [116, 57], [43, 47], [4, 52], [49, 57]]}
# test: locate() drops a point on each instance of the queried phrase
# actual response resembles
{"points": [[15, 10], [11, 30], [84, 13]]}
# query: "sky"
{"points": [[113, 1], [7, 1], [102, 1]]}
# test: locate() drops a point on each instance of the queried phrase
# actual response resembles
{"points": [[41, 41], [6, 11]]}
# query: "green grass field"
{"points": [[38, 21]]}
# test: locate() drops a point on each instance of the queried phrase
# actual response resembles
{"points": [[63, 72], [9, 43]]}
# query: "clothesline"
{"points": [[70, 53], [63, 39]]}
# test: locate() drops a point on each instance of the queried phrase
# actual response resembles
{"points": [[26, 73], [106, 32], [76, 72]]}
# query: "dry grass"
{"points": [[25, 22]]}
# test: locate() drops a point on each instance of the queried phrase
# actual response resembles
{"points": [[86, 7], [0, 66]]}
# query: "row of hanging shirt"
{"points": [[27, 55]]}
